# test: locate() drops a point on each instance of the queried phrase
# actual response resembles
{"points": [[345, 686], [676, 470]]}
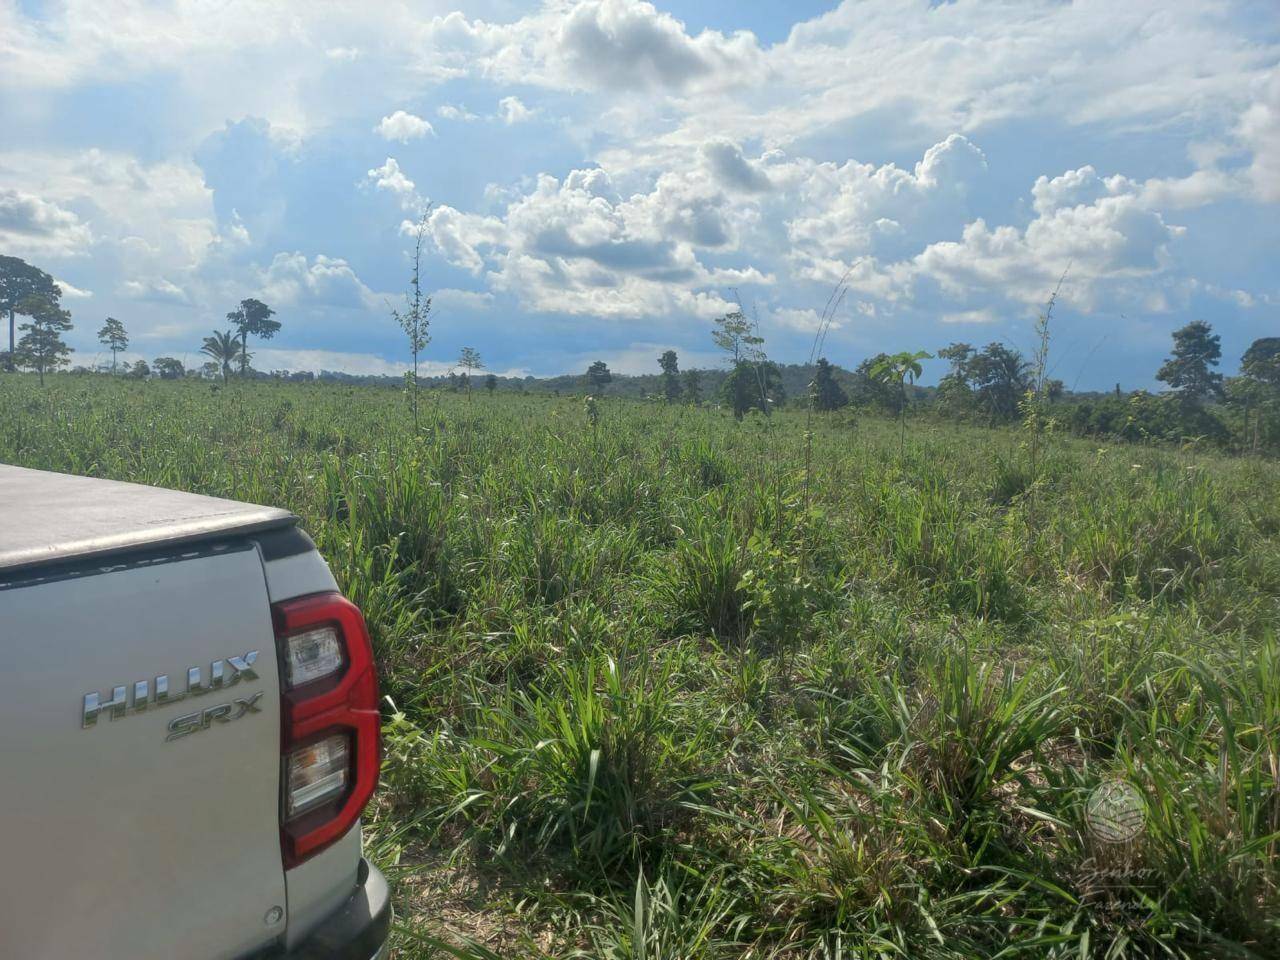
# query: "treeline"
{"points": [[1201, 405], [29, 292], [997, 385], [994, 384]]}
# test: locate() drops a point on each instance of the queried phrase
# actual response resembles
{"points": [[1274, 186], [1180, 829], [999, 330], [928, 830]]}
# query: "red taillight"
{"points": [[331, 737]]}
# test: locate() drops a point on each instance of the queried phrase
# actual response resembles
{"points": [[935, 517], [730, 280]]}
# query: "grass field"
{"points": [[652, 695]]}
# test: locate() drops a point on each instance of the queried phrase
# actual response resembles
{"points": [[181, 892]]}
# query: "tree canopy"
{"points": [[42, 348], [736, 336], [598, 375], [670, 365], [873, 391], [692, 387], [753, 386], [827, 394], [252, 317], [1261, 361], [991, 380], [19, 281], [470, 362], [1196, 348], [114, 337], [168, 368]]}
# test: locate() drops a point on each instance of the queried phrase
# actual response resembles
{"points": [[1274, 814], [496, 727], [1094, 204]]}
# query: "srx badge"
{"points": [[222, 713]]}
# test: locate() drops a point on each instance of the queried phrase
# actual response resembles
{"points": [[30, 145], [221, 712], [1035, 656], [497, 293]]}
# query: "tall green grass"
{"points": [[655, 691]]}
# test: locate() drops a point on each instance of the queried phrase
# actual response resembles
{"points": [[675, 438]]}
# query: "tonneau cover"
{"points": [[48, 518]]}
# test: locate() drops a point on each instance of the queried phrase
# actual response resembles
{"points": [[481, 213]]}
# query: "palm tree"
{"points": [[224, 349]]}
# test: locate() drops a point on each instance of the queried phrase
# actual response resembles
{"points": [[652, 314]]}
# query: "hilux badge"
{"points": [[147, 694]]}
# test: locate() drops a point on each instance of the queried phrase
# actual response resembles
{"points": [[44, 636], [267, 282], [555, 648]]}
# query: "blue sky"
{"points": [[606, 177]]}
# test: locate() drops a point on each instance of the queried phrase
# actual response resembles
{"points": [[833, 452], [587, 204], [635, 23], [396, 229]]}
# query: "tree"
{"points": [[252, 316], [470, 362], [415, 319], [736, 335], [18, 281], [224, 349], [753, 381], [598, 376], [490, 383], [1261, 361], [874, 391], [752, 386], [993, 379], [41, 347], [114, 338], [670, 365], [827, 394], [1000, 377], [1196, 348], [899, 368], [693, 386], [139, 371], [955, 391], [1257, 390], [169, 368]]}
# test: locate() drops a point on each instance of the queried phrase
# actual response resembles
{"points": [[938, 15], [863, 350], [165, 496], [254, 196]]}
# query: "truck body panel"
{"points": [[318, 887], [136, 838]]}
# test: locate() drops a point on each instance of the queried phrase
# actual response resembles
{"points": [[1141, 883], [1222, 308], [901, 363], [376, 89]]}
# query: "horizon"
{"points": [[606, 177]]}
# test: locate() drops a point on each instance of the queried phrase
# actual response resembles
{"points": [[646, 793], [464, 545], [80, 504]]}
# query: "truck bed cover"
{"points": [[52, 518]]}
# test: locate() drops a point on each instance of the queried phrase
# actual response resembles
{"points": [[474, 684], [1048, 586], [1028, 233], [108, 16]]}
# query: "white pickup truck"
{"points": [[189, 731]]}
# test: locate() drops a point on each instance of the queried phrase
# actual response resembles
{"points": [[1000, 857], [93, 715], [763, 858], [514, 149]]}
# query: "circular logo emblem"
{"points": [[1115, 812]]}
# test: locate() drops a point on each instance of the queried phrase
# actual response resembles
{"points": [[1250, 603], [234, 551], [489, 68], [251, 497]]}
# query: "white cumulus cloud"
{"points": [[71, 291], [390, 178], [1260, 130], [292, 279], [970, 316], [1101, 229], [577, 246], [512, 110], [156, 289], [596, 44], [455, 111], [403, 127]]}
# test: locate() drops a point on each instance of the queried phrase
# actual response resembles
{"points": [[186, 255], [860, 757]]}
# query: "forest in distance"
{"points": [[991, 385]]}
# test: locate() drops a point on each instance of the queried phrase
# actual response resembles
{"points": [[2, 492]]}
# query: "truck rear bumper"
{"points": [[358, 930]]}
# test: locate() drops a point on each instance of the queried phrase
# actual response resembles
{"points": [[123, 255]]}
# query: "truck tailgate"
{"points": [[150, 830]]}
